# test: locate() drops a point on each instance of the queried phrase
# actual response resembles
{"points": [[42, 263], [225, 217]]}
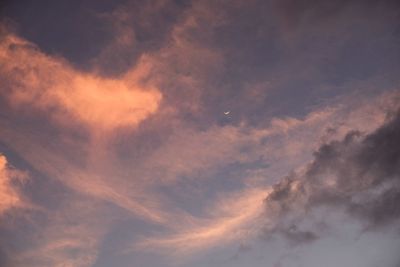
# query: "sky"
{"points": [[171, 133]]}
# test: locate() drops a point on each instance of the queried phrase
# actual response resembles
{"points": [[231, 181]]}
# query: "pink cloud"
{"points": [[10, 196], [51, 85]]}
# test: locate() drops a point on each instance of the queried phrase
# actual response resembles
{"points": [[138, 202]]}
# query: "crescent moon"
{"points": [[227, 112]]}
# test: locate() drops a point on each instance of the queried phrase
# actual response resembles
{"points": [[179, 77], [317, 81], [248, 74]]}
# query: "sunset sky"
{"points": [[172, 133]]}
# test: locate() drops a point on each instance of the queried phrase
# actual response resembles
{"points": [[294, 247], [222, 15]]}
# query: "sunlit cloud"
{"points": [[131, 152], [10, 195], [51, 85], [233, 218]]}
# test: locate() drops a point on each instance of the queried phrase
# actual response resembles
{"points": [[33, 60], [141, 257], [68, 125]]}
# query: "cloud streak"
{"points": [[234, 218], [10, 195]]}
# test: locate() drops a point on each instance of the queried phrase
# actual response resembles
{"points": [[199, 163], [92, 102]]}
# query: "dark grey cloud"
{"points": [[359, 174], [292, 234]]}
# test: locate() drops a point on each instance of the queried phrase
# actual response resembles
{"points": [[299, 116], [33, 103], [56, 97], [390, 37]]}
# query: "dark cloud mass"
{"points": [[360, 174]]}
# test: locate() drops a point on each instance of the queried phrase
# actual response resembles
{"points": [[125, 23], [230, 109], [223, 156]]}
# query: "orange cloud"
{"points": [[50, 84], [9, 195]]}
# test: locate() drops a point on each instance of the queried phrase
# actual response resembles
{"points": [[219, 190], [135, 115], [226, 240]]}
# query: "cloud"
{"points": [[32, 79], [286, 143], [359, 174], [233, 218], [172, 74], [38, 85], [111, 186], [186, 152], [10, 195], [137, 28], [68, 237]]}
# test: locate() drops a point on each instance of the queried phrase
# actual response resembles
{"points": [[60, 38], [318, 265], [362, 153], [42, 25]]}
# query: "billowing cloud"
{"points": [[358, 174]]}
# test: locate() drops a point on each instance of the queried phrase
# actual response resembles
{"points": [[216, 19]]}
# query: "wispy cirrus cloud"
{"points": [[248, 213], [141, 134], [285, 143], [234, 217], [68, 236], [10, 195]]}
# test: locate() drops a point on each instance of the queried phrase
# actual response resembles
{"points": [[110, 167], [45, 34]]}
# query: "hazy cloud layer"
{"points": [[208, 133]]}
